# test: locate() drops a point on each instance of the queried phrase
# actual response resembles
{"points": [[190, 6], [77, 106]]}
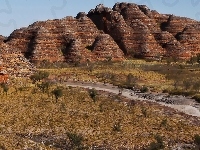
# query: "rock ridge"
{"points": [[127, 30]]}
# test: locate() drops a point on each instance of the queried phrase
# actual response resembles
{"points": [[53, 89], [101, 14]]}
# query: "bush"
{"points": [[93, 94], [197, 140], [144, 111], [5, 88], [117, 127], [192, 60], [44, 86], [57, 93], [197, 98], [165, 91], [39, 76], [157, 145], [130, 80], [76, 140], [144, 89]]}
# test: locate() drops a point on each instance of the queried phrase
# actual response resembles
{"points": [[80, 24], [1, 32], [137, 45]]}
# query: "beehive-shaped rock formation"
{"points": [[126, 30], [46, 40], [176, 24], [190, 38], [105, 47], [140, 31], [129, 27]]}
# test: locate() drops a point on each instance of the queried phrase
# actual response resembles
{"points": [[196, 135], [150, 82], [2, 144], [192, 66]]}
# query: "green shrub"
{"points": [[165, 91], [158, 145], [130, 80], [44, 86], [197, 140], [93, 94], [57, 93], [144, 89], [117, 127], [75, 140], [5, 88], [39, 76], [197, 98], [163, 123]]}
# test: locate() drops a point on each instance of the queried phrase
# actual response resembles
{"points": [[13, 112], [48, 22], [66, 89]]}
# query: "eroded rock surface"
{"points": [[126, 30], [13, 63]]}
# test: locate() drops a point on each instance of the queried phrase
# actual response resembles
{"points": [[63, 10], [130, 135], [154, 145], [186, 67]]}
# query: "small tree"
{"points": [[93, 94], [57, 93], [144, 89]]}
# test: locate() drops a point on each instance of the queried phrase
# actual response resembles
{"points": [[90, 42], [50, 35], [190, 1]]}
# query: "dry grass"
{"points": [[31, 113], [158, 76], [32, 119], [118, 70]]}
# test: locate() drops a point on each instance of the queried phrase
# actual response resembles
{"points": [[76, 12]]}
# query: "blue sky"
{"points": [[21, 13]]}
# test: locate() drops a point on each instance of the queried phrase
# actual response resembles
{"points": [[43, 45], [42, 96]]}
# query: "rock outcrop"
{"points": [[176, 24], [104, 47], [190, 38], [13, 63], [140, 31], [2, 38], [57, 40], [126, 30]]}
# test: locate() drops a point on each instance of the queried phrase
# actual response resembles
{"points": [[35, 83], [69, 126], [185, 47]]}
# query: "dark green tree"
{"points": [[93, 94], [117, 126], [197, 141]]}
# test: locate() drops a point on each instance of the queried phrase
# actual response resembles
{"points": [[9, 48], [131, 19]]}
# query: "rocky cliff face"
{"points": [[66, 39], [126, 30], [143, 32], [189, 37], [13, 63]]}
